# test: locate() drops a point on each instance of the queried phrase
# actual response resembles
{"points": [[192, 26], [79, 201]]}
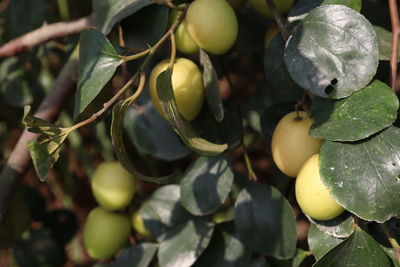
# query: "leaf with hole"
{"points": [[333, 52]]}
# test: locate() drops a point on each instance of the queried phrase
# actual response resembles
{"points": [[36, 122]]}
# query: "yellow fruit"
{"points": [[291, 144], [313, 197], [283, 6], [105, 233], [270, 34], [138, 225], [187, 84], [113, 187], [184, 42], [212, 25]]}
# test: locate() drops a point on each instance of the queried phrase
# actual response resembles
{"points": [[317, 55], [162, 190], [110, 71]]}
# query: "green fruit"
{"points": [[187, 84], [113, 187], [105, 233], [184, 42], [212, 25], [313, 197], [283, 6], [138, 225], [236, 4], [291, 144]]}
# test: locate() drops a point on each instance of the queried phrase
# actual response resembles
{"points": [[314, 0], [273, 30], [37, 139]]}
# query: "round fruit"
{"points": [[270, 34], [212, 25], [283, 6], [105, 233], [313, 197], [291, 144], [184, 42], [138, 225], [187, 84], [113, 187]]}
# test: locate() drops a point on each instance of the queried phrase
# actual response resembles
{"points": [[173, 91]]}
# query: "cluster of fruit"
{"points": [[108, 227], [295, 153]]}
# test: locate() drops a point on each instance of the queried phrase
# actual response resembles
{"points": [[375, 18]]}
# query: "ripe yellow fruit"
{"points": [[113, 187], [105, 233], [187, 84], [313, 197], [184, 42], [212, 25], [291, 144], [283, 6], [270, 34], [138, 225]]}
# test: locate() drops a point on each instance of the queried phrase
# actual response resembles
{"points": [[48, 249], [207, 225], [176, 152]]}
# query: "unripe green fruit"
{"points": [[313, 197], [113, 187], [291, 144], [283, 6], [184, 42], [187, 84], [105, 233], [212, 25], [138, 225]]}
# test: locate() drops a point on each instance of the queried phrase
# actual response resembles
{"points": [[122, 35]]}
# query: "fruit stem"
{"points": [[280, 21], [391, 238], [252, 175]]}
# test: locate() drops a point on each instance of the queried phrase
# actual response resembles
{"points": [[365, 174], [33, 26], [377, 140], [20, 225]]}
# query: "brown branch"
{"points": [[43, 34], [394, 18], [280, 21], [20, 160]]}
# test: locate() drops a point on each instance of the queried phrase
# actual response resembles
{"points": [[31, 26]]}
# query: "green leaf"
{"points": [[206, 185], [265, 221], [360, 249], [340, 227], [117, 133], [320, 242], [98, 61], [136, 256], [359, 116], [225, 249], [153, 135], [364, 177], [182, 127], [277, 73], [109, 12], [296, 261], [211, 85], [333, 52], [163, 210], [183, 245], [45, 149], [260, 262], [385, 43]]}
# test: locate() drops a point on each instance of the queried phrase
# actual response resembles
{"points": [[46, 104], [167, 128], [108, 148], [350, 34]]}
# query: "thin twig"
{"points": [[280, 21], [43, 34], [392, 240], [394, 18]]}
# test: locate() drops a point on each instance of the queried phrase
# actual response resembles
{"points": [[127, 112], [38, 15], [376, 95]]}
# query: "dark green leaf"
{"points": [[265, 221], [163, 210], [180, 125], [109, 12], [182, 245], [364, 177], [117, 133], [137, 256], [363, 114], [277, 73], [211, 85], [296, 261], [340, 227], [98, 61], [360, 249], [320, 242], [225, 249], [333, 52], [385, 43], [260, 262], [206, 185], [152, 134]]}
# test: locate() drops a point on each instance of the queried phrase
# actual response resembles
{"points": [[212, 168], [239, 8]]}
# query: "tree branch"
{"points": [[43, 34], [280, 21], [394, 18], [20, 160]]}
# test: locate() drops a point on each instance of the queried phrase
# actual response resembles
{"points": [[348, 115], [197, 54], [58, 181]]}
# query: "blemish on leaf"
{"points": [[334, 81], [329, 89]]}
